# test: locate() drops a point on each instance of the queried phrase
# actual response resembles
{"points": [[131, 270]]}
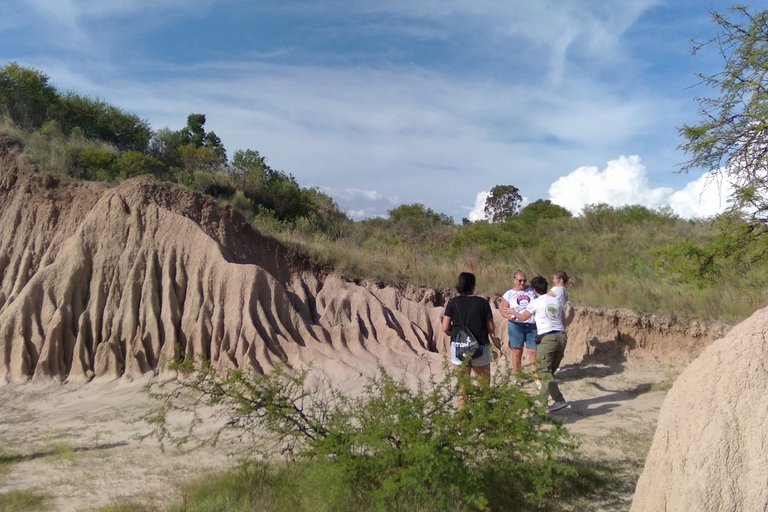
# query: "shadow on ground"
{"points": [[16, 458]]}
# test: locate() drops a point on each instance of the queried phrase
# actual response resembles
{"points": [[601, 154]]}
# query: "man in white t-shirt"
{"points": [[558, 291], [551, 332]]}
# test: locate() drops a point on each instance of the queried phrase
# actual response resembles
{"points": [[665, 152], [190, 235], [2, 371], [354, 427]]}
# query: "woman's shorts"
{"points": [[478, 361], [521, 334]]}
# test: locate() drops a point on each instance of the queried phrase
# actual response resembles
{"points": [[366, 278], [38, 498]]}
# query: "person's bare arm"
{"points": [[521, 317], [491, 328], [447, 328], [504, 309]]}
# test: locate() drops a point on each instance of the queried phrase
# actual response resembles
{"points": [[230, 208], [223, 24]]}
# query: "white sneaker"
{"points": [[557, 406], [538, 385]]}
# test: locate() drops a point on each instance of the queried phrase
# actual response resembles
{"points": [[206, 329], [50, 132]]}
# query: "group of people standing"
{"points": [[536, 325]]}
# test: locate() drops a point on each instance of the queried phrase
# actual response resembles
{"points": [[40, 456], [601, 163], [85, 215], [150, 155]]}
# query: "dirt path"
{"points": [[79, 446]]}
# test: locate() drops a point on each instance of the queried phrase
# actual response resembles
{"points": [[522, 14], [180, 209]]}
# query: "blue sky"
{"points": [[391, 102]]}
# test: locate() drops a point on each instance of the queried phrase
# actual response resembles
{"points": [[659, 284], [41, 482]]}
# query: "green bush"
{"points": [[135, 163], [94, 163], [394, 447]]}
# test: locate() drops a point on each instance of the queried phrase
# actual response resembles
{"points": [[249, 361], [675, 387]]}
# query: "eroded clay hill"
{"points": [[105, 283], [709, 450]]}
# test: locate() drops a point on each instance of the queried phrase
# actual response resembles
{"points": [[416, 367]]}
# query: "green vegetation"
{"points": [[391, 448], [730, 139], [308, 487], [24, 501]]}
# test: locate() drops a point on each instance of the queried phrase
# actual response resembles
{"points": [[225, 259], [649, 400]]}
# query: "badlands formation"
{"points": [[102, 283], [110, 284]]}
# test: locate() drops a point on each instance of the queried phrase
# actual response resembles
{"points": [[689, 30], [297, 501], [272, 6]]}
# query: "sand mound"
{"points": [[105, 283], [708, 453]]}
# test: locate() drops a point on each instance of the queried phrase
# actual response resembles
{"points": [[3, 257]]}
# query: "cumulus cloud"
{"points": [[624, 181], [478, 211], [703, 197]]}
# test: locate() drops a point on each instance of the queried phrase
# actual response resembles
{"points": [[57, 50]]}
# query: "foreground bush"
{"points": [[393, 447]]}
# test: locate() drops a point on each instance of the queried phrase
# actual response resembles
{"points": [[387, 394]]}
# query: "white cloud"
{"points": [[624, 181], [703, 197], [478, 211]]}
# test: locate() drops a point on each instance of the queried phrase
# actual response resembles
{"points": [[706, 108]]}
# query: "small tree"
{"points": [[503, 201], [730, 140], [26, 96], [194, 135]]}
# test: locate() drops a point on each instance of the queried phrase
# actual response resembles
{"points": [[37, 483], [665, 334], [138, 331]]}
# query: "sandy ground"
{"points": [[79, 445]]}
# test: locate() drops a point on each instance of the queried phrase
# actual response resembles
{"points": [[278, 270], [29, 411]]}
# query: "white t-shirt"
{"points": [[561, 294], [546, 310], [519, 300]]}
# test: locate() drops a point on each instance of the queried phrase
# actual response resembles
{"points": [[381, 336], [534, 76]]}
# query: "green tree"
{"points": [[419, 214], [26, 96], [503, 202], [542, 209], [248, 161], [194, 158], [164, 145], [94, 164], [135, 163], [101, 120], [194, 135], [730, 140]]}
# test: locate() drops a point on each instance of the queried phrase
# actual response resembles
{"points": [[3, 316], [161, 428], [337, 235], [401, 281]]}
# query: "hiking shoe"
{"points": [[557, 406]]}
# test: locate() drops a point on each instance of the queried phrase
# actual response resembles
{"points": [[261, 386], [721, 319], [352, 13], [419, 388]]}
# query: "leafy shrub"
{"points": [[26, 97], [539, 210], [98, 119], [93, 162], [135, 163], [393, 447]]}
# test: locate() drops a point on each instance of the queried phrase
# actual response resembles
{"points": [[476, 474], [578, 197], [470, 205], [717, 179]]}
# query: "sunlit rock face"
{"points": [[710, 451]]}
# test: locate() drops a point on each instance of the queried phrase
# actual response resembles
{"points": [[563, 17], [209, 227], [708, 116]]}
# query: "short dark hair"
{"points": [[539, 285], [561, 275], [466, 283]]}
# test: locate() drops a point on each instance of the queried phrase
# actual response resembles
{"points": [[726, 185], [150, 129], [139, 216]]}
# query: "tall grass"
{"points": [[620, 269], [24, 501]]}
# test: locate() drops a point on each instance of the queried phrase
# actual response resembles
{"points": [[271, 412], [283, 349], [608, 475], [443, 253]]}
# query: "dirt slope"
{"points": [[709, 451]]}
